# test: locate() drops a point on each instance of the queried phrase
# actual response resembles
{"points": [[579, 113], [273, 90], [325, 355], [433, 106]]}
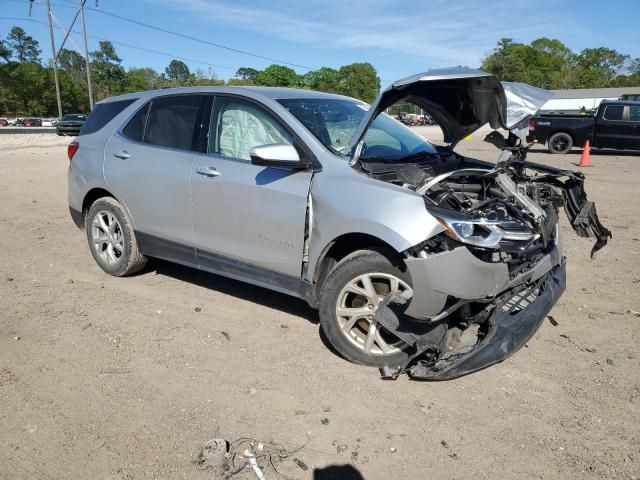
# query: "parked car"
{"points": [[71, 124], [615, 125], [49, 122], [4, 122], [32, 122], [419, 259], [18, 122]]}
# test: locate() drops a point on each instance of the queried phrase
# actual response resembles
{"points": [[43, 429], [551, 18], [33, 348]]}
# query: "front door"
{"points": [[253, 214], [149, 169]]}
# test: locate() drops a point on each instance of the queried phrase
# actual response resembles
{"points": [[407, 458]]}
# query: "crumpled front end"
{"points": [[516, 317], [483, 285]]}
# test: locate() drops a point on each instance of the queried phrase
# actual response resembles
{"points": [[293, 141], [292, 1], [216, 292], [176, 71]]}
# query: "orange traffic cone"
{"points": [[585, 159]]}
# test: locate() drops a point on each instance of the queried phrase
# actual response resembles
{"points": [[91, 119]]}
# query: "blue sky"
{"points": [[398, 37]]}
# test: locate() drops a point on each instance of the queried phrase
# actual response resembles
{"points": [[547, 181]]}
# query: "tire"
{"points": [[560, 143], [351, 342], [116, 250]]}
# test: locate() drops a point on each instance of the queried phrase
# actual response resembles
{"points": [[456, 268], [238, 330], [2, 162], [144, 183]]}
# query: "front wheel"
{"points": [[349, 299], [560, 142], [111, 238]]}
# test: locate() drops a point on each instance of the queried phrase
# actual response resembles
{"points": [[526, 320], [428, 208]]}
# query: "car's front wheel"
{"points": [[349, 299], [111, 238]]}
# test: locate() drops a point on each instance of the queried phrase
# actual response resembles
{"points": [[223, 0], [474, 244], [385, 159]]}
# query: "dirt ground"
{"points": [[124, 378]]}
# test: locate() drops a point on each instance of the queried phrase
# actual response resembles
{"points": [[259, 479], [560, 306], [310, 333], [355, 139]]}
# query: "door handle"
{"points": [[123, 155], [208, 172]]}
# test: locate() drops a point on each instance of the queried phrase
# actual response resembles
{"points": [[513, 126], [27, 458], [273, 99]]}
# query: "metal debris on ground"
{"points": [[226, 335], [213, 454], [262, 458]]}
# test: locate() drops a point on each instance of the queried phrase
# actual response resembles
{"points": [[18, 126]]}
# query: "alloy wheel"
{"points": [[107, 237], [356, 306]]}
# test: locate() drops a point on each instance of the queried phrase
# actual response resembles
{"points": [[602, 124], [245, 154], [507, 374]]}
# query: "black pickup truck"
{"points": [[615, 125]]}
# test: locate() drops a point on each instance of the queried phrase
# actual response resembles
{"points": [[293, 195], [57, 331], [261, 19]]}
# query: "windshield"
{"points": [[334, 121], [74, 117]]}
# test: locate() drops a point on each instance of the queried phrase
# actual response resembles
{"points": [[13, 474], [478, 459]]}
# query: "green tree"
{"points": [[74, 65], [27, 83], [107, 72], [359, 80], [141, 79], [239, 82], [5, 52], [324, 79], [598, 67], [247, 73], [25, 48], [177, 72], [278, 76]]}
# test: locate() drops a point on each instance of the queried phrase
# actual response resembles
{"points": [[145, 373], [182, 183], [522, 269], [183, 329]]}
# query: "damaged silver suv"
{"points": [[419, 260]]}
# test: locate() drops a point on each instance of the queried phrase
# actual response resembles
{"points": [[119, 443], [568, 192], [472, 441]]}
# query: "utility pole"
{"points": [[86, 55], [55, 59]]}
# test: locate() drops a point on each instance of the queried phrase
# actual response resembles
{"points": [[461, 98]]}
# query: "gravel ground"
{"points": [[124, 378]]}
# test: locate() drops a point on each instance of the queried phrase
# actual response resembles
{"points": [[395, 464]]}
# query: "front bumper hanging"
{"points": [[509, 330]]}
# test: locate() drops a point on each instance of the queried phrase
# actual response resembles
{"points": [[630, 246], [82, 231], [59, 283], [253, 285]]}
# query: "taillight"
{"points": [[72, 149], [532, 125]]}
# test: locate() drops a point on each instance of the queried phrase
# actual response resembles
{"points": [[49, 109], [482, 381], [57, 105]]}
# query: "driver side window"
{"points": [[237, 126]]}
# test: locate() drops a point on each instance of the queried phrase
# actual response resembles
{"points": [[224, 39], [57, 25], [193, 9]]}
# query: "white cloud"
{"points": [[440, 32]]}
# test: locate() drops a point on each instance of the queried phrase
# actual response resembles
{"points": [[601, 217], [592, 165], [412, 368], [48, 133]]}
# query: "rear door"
{"points": [[148, 166], [632, 125], [609, 129], [249, 213]]}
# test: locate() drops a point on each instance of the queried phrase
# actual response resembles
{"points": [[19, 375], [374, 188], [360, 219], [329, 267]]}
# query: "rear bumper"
{"points": [[74, 130], [507, 333], [77, 218]]}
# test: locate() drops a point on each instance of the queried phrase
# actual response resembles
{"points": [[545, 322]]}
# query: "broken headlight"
{"points": [[483, 233]]}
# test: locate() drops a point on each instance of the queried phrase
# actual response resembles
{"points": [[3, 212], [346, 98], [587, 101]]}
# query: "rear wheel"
{"points": [[560, 142], [111, 238], [349, 299]]}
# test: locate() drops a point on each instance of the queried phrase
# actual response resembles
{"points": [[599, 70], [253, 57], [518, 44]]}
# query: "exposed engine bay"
{"points": [[500, 227], [511, 206]]}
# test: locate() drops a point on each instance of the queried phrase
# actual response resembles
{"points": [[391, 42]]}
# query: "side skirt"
{"points": [[153, 246]]}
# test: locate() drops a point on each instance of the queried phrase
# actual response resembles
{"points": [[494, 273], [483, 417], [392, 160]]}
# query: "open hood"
{"points": [[460, 100]]}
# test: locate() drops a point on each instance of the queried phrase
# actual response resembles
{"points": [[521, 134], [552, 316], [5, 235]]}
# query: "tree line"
{"points": [[548, 63], [27, 85]]}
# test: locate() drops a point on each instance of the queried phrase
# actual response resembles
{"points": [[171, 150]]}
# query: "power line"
{"points": [[195, 39], [148, 50]]}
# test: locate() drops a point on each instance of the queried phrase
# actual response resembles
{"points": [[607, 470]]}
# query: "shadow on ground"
{"points": [[337, 472], [228, 286]]}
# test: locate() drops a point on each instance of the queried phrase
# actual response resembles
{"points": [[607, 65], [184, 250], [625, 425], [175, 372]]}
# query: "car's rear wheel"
{"points": [[112, 239], [349, 299], [560, 142]]}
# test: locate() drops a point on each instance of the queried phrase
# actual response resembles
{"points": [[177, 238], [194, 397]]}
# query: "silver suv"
{"points": [[418, 259]]}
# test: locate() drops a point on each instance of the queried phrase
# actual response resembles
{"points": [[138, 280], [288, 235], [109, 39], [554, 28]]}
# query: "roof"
{"points": [[596, 92], [274, 93]]}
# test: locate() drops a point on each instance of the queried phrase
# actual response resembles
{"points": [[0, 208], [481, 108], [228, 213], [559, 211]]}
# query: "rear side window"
{"points": [[172, 121], [634, 114], [135, 128], [613, 112], [102, 114]]}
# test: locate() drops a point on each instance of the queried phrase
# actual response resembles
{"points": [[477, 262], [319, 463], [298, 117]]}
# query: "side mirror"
{"points": [[279, 155]]}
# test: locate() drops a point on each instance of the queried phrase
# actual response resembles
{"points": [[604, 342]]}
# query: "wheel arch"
{"points": [[98, 192], [344, 245]]}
